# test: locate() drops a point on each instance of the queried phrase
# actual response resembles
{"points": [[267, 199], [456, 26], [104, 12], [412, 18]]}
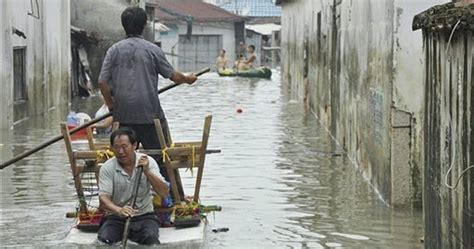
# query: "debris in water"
{"points": [[218, 230], [239, 110]]}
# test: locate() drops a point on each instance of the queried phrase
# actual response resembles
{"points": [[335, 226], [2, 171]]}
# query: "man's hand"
{"points": [[126, 211], [191, 78], [143, 161]]}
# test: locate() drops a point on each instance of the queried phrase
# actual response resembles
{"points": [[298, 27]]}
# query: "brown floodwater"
{"points": [[276, 180]]}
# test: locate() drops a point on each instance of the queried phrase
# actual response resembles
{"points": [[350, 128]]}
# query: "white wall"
{"points": [[170, 39], [47, 46], [366, 85], [6, 69]]}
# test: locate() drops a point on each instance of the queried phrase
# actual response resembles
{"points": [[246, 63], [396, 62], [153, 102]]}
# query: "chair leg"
{"points": [[75, 174], [202, 156], [174, 185], [90, 138], [179, 183]]}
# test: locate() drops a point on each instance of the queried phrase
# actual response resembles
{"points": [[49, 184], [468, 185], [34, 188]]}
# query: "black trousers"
{"points": [[147, 136], [143, 229]]}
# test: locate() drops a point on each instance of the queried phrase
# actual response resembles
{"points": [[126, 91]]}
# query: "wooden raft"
{"points": [[177, 155]]}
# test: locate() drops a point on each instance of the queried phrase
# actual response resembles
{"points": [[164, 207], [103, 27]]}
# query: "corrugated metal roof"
{"points": [[253, 8], [200, 11]]}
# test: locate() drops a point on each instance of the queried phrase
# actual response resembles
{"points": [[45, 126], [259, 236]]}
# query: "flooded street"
{"points": [[276, 180]]}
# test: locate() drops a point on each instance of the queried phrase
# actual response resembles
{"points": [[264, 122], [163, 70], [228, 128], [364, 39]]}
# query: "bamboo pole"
{"points": [[80, 127]]}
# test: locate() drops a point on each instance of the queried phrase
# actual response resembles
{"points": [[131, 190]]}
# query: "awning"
{"points": [[264, 29]]}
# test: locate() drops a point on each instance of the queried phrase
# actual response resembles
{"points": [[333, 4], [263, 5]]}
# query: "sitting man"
{"points": [[116, 180], [221, 61], [249, 63]]}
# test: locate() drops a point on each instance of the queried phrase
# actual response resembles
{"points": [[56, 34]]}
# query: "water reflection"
{"points": [[276, 178]]}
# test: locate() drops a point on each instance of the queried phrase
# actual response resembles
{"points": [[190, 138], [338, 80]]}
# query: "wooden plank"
{"points": [[90, 138], [85, 154], [168, 134], [158, 152], [169, 170], [75, 172], [159, 133], [91, 155], [202, 156], [187, 144]]}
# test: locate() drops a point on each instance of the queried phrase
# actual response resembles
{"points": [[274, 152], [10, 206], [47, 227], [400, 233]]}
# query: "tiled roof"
{"points": [[446, 17], [201, 12], [253, 8]]}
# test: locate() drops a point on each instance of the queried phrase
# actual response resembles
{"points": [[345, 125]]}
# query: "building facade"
{"points": [[100, 20], [197, 32], [362, 66], [35, 52]]}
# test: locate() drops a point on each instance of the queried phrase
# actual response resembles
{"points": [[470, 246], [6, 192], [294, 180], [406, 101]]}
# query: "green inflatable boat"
{"points": [[260, 72]]}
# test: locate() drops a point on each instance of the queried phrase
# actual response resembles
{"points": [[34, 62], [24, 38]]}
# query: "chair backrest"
{"points": [[173, 157], [74, 170]]}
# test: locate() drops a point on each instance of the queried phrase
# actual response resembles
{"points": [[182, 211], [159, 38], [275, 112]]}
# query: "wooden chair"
{"points": [[80, 162], [180, 155], [93, 144]]}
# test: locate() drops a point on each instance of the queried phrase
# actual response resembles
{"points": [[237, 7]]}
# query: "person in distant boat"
{"points": [[238, 61], [129, 81], [116, 179], [249, 63], [221, 61]]}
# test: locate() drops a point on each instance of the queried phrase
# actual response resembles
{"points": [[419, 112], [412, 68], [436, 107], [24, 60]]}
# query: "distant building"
{"points": [[260, 17], [197, 31], [265, 38], [35, 58]]}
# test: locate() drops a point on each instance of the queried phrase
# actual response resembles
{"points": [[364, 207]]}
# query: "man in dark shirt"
{"points": [[129, 80]]}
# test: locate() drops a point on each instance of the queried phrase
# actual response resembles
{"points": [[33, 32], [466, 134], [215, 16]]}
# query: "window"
{"points": [[19, 77]]}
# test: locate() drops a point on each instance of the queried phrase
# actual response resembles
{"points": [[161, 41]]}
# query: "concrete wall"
{"points": [[365, 84], [6, 66], [170, 39], [47, 54], [101, 20], [449, 135]]}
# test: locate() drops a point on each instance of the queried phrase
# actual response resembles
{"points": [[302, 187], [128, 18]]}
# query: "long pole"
{"points": [[80, 127], [134, 201]]}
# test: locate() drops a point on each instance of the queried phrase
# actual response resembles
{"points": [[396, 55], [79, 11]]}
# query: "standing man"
{"points": [[116, 179], [129, 80]]}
